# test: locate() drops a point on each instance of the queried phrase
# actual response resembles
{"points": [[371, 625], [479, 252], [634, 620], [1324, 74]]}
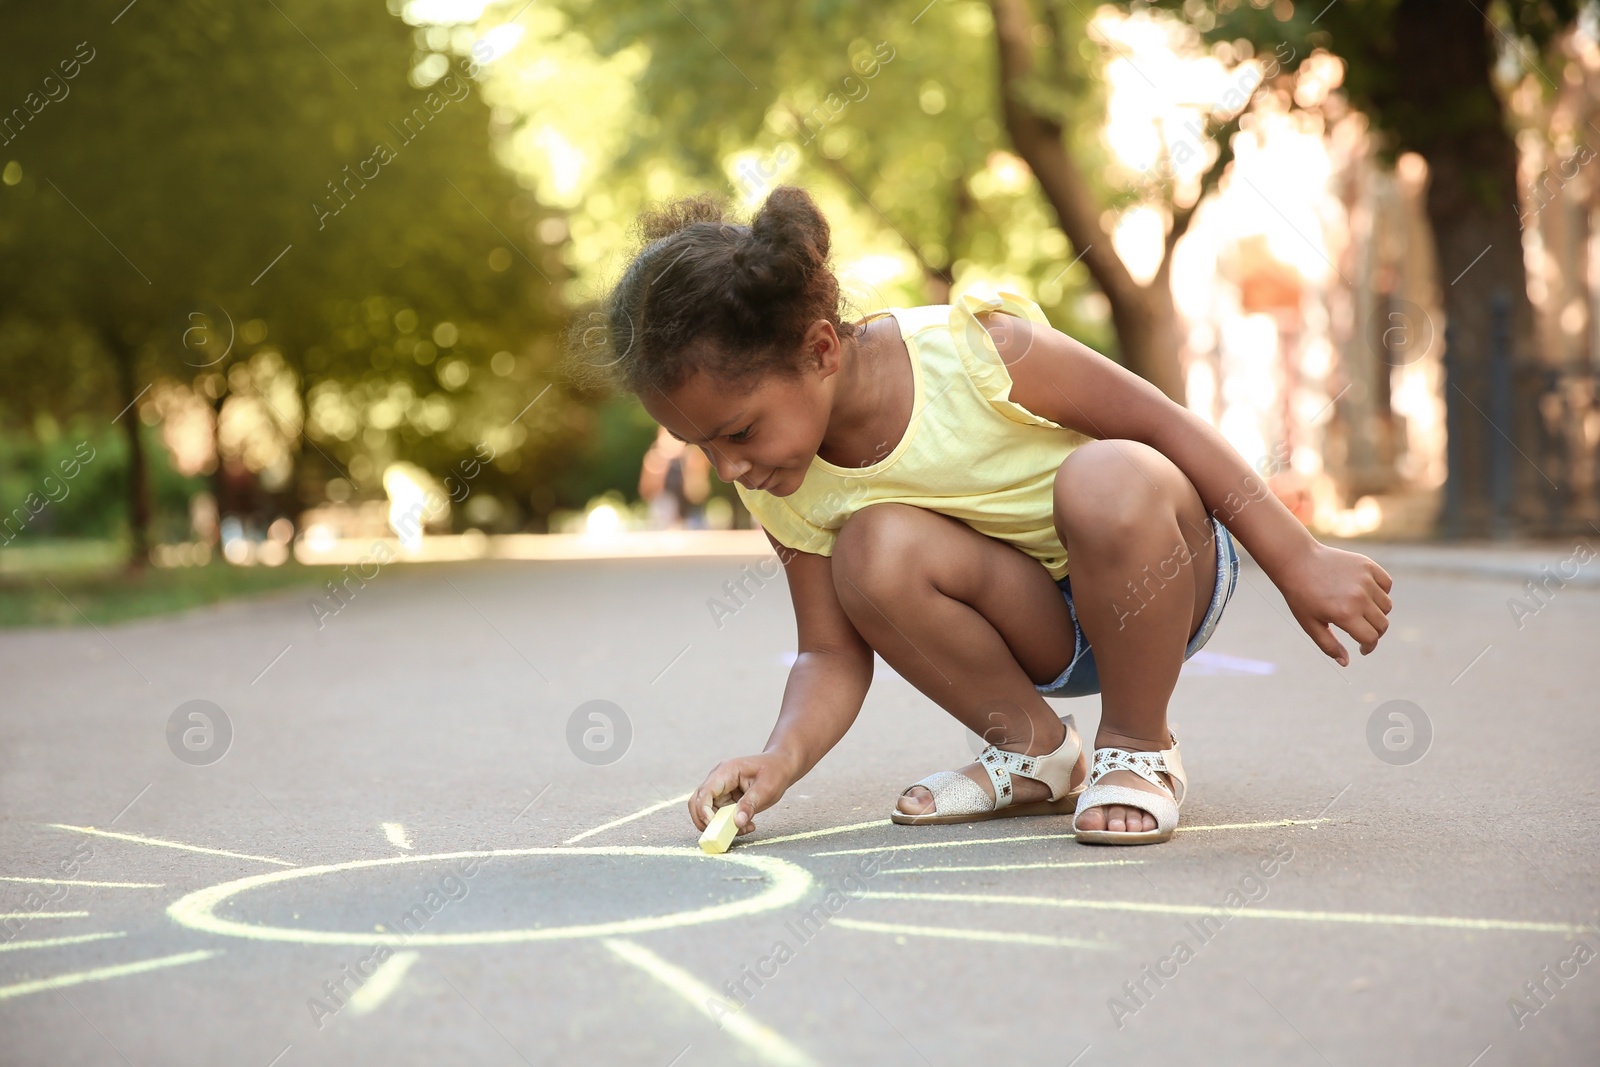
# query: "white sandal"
{"points": [[1149, 766], [957, 798]]}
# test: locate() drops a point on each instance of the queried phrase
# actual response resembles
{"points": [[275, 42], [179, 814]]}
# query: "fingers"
{"points": [[749, 803], [1364, 633], [723, 778], [1380, 626], [1365, 629], [701, 809], [1382, 599], [1322, 634], [1379, 592], [1385, 582]]}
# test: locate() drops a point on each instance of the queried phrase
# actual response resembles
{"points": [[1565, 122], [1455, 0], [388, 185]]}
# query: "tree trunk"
{"points": [[1150, 336], [1459, 127], [218, 479], [1145, 316], [138, 486], [938, 281]]}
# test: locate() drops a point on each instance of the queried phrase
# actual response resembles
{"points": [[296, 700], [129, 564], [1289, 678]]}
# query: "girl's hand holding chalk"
{"points": [[744, 785]]}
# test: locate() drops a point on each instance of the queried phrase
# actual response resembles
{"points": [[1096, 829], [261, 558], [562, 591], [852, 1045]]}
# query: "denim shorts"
{"points": [[1081, 678]]}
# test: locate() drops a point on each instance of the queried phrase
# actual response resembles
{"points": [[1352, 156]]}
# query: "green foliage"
{"points": [[220, 180], [67, 484], [618, 435], [56, 598], [888, 112]]}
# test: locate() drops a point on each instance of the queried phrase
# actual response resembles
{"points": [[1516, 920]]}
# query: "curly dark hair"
{"points": [[708, 293]]}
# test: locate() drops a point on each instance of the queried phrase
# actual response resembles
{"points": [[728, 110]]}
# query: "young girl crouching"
{"points": [[925, 474]]}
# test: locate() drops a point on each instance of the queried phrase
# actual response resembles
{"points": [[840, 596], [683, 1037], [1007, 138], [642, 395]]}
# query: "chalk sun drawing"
{"points": [[782, 882]]}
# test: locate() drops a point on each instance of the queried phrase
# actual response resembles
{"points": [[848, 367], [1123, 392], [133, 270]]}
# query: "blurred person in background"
{"points": [[674, 480]]}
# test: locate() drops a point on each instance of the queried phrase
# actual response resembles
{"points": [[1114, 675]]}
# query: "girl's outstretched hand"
{"points": [[754, 782], [1345, 589]]}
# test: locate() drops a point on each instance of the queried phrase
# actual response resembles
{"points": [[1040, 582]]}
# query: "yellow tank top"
{"points": [[969, 451]]}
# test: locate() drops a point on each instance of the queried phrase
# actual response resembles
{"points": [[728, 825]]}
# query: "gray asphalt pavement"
{"points": [[410, 851]]}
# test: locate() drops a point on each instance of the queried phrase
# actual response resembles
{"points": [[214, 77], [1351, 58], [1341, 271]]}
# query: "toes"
{"points": [[1117, 818], [1136, 820], [918, 801]]}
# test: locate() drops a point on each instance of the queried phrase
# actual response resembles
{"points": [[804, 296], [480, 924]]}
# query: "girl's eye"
{"points": [[742, 435]]}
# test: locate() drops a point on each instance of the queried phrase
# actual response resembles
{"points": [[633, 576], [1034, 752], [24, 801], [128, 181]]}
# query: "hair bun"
{"points": [[790, 221], [787, 243]]}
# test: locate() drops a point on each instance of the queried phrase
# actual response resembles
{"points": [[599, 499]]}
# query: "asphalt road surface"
{"points": [[423, 842]]}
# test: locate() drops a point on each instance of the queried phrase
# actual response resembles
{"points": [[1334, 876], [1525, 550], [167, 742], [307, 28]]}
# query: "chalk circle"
{"points": [[199, 732], [787, 883]]}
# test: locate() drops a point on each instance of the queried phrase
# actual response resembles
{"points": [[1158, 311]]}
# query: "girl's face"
{"points": [[767, 437]]}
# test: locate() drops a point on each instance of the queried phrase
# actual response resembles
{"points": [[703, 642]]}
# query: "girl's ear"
{"points": [[821, 348]]}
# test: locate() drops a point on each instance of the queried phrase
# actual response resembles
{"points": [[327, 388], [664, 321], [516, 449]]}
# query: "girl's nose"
{"points": [[728, 469]]}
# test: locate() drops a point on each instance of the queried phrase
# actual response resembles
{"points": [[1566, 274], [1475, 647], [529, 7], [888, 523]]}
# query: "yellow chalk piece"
{"points": [[719, 831]]}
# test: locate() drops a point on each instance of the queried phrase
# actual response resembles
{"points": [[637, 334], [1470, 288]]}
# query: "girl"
{"points": [[924, 476]]}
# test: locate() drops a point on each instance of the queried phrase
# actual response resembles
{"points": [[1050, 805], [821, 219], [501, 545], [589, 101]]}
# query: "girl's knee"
{"points": [[1113, 489], [876, 550]]}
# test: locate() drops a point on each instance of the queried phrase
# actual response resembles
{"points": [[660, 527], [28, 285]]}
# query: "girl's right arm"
{"points": [[827, 685]]}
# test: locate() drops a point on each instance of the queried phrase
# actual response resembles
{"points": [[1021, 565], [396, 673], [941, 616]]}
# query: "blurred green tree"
{"points": [[892, 120], [189, 184], [903, 106]]}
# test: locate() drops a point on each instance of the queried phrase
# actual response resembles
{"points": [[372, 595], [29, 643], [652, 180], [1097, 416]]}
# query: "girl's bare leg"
{"points": [[970, 621], [1143, 562]]}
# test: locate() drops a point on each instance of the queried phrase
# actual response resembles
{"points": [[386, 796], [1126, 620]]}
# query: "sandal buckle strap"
{"points": [[1146, 765], [955, 793], [1000, 764]]}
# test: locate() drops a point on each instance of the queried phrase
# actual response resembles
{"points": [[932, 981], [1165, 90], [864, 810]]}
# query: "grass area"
{"points": [[62, 586]]}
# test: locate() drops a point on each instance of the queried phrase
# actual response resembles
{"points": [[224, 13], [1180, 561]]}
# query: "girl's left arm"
{"points": [[1070, 384]]}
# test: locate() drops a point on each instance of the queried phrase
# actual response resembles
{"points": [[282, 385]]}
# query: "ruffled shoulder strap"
{"points": [[980, 356]]}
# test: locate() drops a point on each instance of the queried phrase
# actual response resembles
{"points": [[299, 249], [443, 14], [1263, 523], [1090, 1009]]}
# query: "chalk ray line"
{"points": [[956, 933], [97, 885], [1265, 824], [383, 982], [1014, 867], [396, 835], [1246, 911], [1060, 837], [158, 842], [44, 914], [651, 810], [821, 833], [729, 1015], [100, 974], [52, 942]]}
